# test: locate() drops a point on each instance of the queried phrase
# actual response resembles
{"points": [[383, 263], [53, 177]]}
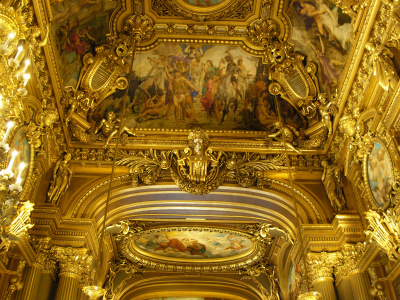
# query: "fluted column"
{"points": [[31, 282], [33, 273], [360, 284], [67, 288], [322, 280], [74, 263], [321, 273]]}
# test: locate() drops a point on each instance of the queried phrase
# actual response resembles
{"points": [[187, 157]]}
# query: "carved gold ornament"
{"points": [[204, 12], [199, 170], [384, 230]]}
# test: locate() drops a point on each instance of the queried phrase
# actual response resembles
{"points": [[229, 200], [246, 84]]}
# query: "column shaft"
{"points": [[326, 288], [360, 285], [67, 288], [31, 281]]}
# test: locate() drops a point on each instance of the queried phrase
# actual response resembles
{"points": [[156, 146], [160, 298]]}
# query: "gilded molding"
{"points": [[232, 10]]}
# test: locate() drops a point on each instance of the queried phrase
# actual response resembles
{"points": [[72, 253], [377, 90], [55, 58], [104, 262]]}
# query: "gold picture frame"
{"points": [[379, 174], [177, 261]]}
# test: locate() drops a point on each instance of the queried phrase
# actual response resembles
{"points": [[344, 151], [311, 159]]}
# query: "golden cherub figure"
{"points": [[110, 126]]}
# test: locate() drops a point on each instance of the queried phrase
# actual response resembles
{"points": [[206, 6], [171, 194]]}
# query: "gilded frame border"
{"points": [[369, 194], [27, 181], [258, 251]]}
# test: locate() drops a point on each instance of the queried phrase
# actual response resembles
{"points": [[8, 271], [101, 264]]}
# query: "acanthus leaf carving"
{"points": [[199, 170]]}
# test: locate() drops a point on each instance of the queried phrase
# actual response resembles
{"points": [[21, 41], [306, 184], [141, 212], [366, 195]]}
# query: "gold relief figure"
{"points": [[62, 175], [333, 183], [286, 135], [32, 43], [327, 109], [382, 65], [110, 126]]}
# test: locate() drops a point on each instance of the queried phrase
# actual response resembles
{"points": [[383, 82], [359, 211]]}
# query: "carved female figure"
{"points": [[62, 175]]}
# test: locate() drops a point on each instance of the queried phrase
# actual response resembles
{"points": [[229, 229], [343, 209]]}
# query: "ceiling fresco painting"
{"points": [[220, 87], [325, 34], [194, 244], [77, 28]]}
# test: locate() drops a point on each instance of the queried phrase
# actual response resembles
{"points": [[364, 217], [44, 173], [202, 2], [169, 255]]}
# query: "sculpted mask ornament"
{"points": [[198, 167]]}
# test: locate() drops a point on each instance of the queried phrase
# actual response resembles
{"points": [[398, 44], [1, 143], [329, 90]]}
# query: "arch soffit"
{"points": [[199, 286], [227, 203]]}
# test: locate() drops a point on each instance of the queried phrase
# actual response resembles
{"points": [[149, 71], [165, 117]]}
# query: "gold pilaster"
{"points": [[67, 288], [326, 288], [360, 284], [31, 282]]}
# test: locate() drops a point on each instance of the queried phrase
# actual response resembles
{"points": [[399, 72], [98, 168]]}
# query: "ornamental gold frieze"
{"points": [[198, 169], [192, 248]]}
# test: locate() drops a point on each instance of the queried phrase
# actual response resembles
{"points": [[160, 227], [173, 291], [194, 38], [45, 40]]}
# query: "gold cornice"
{"points": [[345, 228], [48, 221]]}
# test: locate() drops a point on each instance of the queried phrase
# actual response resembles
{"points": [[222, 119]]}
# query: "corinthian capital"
{"points": [[73, 261], [42, 250], [349, 257], [321, 265]]}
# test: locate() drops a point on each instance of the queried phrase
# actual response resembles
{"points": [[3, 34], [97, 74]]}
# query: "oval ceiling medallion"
{"points": [[193, 245], [204, 10], [182, 247]]}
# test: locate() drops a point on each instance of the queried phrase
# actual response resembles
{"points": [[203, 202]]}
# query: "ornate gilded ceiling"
{"points": [[201, 133], [242, 66]]}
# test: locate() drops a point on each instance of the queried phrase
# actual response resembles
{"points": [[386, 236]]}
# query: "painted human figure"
{"points": [[154, 106], [62, 175], [181, 94], [110, 127]]}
